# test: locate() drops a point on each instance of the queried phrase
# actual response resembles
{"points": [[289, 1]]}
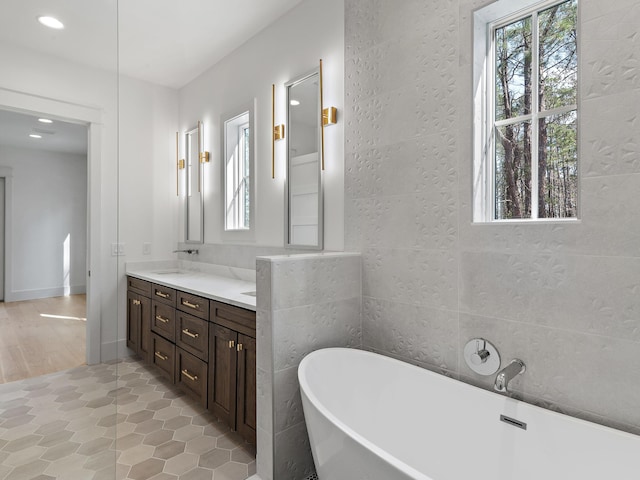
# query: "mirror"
{"points": [[238, 155], [303, 208], [194, 213]]}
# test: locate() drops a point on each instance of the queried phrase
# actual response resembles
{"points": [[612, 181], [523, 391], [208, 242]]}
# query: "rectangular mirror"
{"points": [[303, 208], [194, 210], [238, 154]]}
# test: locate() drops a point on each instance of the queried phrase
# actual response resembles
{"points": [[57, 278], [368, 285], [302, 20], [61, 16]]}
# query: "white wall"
{"points": [[560, 296], [49, 207], [288, 48], [146, 180], [147, 117]]}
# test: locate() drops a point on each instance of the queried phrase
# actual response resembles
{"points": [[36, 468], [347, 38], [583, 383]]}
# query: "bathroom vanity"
{"points": [[199, 331]]}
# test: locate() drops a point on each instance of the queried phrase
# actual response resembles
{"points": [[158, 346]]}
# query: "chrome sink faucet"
{"points": [[189, 251], [508, 373]]}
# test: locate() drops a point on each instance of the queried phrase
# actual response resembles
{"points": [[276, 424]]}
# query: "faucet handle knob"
{"points": [[480, 356]]}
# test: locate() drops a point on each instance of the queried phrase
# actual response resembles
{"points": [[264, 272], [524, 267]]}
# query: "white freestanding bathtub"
{"points": [[375, 418]]}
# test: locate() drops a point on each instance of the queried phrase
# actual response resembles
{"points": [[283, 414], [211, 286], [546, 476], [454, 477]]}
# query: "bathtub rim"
{"points": [[306, 391]]}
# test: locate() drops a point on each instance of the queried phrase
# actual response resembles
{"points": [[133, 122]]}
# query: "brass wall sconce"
{"points": [[329, 116], [277, 131], [180, 164], [203, 155]]}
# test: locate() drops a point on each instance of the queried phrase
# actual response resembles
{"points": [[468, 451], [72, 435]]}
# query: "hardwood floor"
{"points": [[41, 336]]}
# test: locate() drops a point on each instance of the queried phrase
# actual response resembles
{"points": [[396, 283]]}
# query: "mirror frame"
{"points": [[319, 245], [188, 157]]}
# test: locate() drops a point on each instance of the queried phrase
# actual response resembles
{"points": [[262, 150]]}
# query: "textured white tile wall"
{"points": [[305, 302], [563, 297]]}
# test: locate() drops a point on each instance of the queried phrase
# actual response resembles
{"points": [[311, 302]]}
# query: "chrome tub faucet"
{"points": [[508, 373]]}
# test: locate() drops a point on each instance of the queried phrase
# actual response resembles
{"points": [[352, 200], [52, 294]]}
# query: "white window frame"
{"points": [[233, 124], [486, 21]]}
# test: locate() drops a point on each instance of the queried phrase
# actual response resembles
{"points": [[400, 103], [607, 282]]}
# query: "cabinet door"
{"points": [[144, 333], [163, 320], [192, 335], [222, 373], [246, 403], [164, 356], [191, 375], [133, 321]]}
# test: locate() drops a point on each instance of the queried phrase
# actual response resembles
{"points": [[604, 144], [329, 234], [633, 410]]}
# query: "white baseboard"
{"points": [[22, 295]]}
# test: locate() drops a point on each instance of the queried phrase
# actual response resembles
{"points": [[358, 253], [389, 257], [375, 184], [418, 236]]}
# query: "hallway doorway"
{"points": [[41, 336], [43, 317]]}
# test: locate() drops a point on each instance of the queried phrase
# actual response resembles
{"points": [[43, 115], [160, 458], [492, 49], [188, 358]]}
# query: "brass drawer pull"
{"points": [[239, 347], [193, 378], [162, 319], [190, 334], [136, 302], [187, 303], [161, 294], [232, 343], [161, 356]]}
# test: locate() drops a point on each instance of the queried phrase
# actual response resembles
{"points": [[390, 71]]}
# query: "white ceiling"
{"points": [[167, 42], [56, 137]]}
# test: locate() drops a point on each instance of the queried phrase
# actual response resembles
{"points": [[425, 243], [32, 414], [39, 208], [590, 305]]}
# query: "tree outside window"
{"points": [[535, 114]]}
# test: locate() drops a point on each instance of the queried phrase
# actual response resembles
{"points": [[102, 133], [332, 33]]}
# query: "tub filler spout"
{"points": [[508, 373]]}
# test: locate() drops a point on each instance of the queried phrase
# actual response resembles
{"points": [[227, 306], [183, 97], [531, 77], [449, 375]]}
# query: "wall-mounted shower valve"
{"points": [[481, 356]]}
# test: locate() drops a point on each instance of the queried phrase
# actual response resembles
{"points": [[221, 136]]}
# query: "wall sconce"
{"points": [[203, 155], [277, 131], [329, 116], [180, 164]]}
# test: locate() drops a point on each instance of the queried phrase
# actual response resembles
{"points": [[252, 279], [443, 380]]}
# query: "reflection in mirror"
{"points": [[304, 177], [194, 214], [238, 154]]}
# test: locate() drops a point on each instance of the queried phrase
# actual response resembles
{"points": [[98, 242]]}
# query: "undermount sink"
{"points": [[251, 294], [171, 272]]}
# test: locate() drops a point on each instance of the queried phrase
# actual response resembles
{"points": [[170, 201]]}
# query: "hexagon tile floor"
{"points": [[113, 422]]}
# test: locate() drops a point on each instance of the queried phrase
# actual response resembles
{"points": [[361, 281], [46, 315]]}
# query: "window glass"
{"points": [[534, 117]]}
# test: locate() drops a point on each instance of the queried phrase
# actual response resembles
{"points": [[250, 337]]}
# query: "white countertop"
{"points": [[224, 284]]}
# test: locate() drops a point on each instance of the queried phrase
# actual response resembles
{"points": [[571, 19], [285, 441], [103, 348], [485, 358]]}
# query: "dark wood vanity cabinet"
{"points": [[139, 317], [164, 357], [207, 348], [232, 367]]}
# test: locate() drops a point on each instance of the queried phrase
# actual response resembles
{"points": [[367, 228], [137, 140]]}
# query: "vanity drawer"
{"points": [[139, 286], [192, 334], [236, 318], [164, 356], [164, 294], [163, 320], [193, 304], [191, 375]]}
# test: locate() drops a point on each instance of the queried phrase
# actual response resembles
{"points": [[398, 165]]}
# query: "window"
{"points": [[237, 171], [526, 165]]}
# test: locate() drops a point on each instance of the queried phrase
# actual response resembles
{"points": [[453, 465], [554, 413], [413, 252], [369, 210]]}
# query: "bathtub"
{"points": [[375, 418]]}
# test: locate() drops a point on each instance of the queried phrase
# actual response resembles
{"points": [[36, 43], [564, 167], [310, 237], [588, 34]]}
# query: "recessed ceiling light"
{"points": [[35, 135], [45, 120], [51, 22], [294, 102]]}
